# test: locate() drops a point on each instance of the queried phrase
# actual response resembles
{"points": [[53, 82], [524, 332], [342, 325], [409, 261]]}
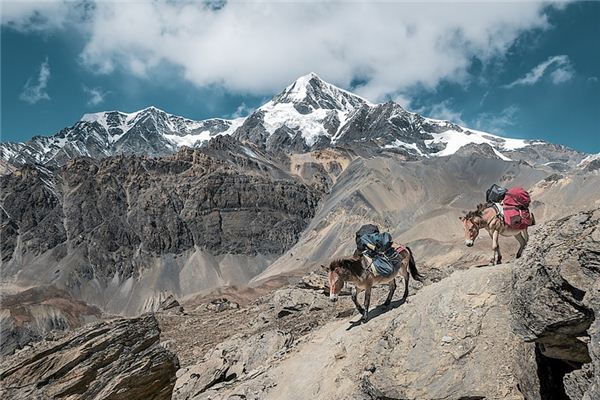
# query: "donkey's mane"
{"points": [[478, 212], [352, 264]]}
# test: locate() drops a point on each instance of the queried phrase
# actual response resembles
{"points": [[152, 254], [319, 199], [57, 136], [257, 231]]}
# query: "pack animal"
{"points": [[357, 269], [489, 218]]}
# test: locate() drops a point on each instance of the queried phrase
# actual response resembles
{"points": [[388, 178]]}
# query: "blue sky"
{"points": [[524, 70]]}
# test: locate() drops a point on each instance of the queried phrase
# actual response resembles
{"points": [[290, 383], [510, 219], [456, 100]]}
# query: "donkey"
{"points": [[358, 270], [488, 216]]}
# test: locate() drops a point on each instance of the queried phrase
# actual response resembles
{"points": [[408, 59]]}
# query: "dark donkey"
{"points": [[358, 270]]}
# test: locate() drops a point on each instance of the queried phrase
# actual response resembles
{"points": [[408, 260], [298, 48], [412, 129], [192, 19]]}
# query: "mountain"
{"points": [[590, 163], [310, 114], [150, 131], [119, 231]]}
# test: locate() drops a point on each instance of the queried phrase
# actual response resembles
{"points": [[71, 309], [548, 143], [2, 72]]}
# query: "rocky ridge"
{"points": [[38, 313]]}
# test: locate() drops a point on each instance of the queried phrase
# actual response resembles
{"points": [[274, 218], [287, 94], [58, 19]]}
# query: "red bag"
{"points": [[516, 212]]}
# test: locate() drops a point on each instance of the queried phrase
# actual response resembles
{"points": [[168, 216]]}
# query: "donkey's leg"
{"points": [[355, 300], [522, 244], [405, 277], [391, 293], [496, 247], [367, 303], [493, 259]]}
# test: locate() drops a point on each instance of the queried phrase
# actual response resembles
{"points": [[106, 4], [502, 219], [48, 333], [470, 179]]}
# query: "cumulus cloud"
{"points": [[563, 71], [35, 89], [95, 95], [259, 47]]}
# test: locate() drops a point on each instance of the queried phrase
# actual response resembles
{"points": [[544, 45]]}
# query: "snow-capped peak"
{"points": [[312, 92], [309, 113]]}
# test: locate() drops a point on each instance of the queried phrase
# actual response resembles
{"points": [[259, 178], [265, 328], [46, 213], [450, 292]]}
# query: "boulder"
{"points": [[118, 359]]}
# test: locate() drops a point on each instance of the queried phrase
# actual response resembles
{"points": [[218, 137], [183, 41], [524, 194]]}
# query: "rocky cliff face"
{"points": [[556, 301], [120, 359], [110, 221]]}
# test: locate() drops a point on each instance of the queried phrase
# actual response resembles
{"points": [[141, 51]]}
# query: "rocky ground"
{"points": [[522, 330]]}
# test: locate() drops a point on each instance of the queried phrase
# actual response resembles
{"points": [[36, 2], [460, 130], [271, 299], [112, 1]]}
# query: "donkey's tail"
{"points": [[412, 267]]}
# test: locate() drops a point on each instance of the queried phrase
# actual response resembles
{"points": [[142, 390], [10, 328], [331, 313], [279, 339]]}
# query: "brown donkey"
{"points": [[487, 216], [358, 270]]}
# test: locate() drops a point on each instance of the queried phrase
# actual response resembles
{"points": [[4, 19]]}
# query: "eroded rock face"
{"points": [[557, 297], [119, 359]]}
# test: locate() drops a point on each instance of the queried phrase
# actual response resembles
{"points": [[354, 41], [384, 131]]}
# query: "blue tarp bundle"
{"points": [[379, 249]]}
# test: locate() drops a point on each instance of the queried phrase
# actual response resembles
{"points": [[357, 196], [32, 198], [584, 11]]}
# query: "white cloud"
{"points": [[560, 75], [96, 95], [35, 92], [242, 111], [497, 122], [259, 47], [442, 111], [563, 72]]}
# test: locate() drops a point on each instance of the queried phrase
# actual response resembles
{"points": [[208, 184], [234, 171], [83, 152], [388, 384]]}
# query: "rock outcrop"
{"points": [[557, 300], [119, 359]]}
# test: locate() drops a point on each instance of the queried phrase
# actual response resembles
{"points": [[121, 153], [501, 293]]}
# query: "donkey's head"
{"points": [[339, 271], [471, 223]]}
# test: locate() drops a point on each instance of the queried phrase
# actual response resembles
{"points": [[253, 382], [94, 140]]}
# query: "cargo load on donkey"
{"points": [[514, 204], [516, 208], [378, 248]]}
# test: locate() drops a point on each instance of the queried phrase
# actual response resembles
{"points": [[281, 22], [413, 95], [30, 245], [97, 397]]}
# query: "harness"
{"points": [[499, 211]]}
